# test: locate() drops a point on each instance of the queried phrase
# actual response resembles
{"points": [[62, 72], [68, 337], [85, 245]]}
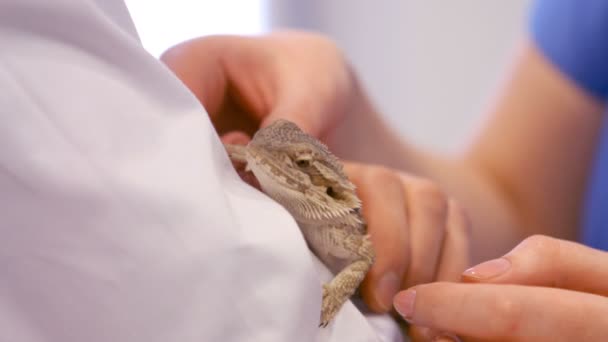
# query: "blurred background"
{"points": [[431, 66]]}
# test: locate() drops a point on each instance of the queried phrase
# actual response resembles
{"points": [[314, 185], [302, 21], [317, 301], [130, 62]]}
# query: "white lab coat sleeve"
{"points": [[121, 218]]}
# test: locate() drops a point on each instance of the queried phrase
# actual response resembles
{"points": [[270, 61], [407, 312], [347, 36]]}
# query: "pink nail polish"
{"points": [[404, 303], [488, 269]]}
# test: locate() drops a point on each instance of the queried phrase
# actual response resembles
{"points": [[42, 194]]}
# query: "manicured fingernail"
{"points": [[488, 269], [386, 290], [404, 303]]}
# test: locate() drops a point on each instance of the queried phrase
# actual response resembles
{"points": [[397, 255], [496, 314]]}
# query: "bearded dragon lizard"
{"points": [[301, 174]]}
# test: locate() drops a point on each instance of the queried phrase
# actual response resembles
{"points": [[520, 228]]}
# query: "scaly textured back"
{"points": [[283, 134], [301, 174]]}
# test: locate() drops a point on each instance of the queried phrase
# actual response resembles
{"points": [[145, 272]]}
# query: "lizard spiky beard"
{"points": [[301, 174]]}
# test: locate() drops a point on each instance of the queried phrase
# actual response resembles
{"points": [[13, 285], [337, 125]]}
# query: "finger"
{"points": [[383, 208], [235, 138], [545, 261], [446, 338], [196, 64], [422, 334], [506, 312], [219, 71], [455, 254], [240, 138], [427, 213]]}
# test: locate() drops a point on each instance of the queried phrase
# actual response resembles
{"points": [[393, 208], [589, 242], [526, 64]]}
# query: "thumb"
{"points": [[545, 261], [235, 138], [196, 63]]}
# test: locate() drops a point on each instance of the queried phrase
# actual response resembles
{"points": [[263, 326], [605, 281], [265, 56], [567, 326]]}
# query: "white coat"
{"points": [[121, 218]]}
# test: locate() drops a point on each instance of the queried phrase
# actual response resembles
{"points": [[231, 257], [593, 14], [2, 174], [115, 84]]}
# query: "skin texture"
{"points": [[513, 304], [524, 173]]}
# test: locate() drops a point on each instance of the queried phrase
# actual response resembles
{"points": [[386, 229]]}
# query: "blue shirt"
{"points": [[573, 34]]}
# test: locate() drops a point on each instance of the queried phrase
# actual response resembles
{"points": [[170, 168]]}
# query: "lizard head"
{"points": [[300, 173]]}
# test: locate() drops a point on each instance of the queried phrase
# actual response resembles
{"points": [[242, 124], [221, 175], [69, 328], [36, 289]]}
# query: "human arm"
{"points": [[479, 179], [524, 175], [525, 172], [247, 82], [507, 194]]}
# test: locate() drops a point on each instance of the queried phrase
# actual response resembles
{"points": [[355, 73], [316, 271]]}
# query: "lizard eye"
{"points": [[303, 163], [331, 192]]}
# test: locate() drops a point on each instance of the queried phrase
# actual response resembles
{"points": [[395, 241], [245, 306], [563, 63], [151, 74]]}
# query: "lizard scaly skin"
{"points": [[301, 174]]}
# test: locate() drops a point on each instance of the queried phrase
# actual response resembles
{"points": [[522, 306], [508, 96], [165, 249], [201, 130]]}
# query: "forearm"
{"points": [[524, 174], [494, 226]]}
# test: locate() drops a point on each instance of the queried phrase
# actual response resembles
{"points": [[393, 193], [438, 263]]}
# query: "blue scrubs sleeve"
{"points": [[573, 35]]}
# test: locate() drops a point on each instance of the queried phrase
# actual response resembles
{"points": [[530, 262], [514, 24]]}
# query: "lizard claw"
{"points": [[330, 306]]}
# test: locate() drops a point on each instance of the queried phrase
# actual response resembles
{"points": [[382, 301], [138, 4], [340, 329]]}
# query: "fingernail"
{"points": [[446, 338], [388, 286], [488, 269], [404, 303]]}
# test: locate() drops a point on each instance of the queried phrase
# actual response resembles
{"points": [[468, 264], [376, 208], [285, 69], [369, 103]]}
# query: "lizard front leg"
{"points": [[344, 284]]}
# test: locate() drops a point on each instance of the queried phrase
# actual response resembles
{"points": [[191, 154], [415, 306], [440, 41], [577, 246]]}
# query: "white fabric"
{"points": [[121, 218]]}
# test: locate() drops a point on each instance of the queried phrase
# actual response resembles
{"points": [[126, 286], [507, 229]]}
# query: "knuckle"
{"points": [[321, 43], [540, 252], [382, 174], [328, 45], [537, 239], [429, 197], [319, 38], [508, 314], [422, 334], [353, 171], [458, 235], [386, 182], [419, 274], [460, 218], [541, 246]]}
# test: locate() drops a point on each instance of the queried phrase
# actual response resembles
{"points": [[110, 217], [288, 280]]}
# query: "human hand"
{"points": [[247, 82], [419, 235], [543, 290]]}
